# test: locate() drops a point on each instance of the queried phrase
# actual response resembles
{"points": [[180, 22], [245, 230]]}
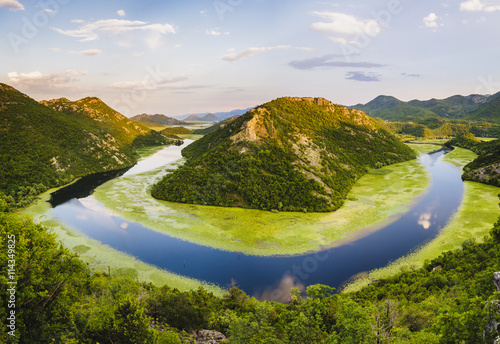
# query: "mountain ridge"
{"points": [[454, 107]]}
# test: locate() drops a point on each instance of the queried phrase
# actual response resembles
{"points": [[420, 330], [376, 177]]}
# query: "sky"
{"points": [[177, 57]]}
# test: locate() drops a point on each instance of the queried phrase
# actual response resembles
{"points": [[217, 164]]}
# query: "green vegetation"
{"points": [[43, 146], [102, 257], [173, 132], [486, 167], [156, 121], [291, 154], [490, 112], [58, 299], [372, 202], [431, 112]]}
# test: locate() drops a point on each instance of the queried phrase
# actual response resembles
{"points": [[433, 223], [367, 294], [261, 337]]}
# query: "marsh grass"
{"points": [[474, 219], [99, 257], [375, 199]]}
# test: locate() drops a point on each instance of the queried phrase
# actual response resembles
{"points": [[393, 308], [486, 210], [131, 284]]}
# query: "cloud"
{"points": [[87, 52], [431, 21], [149, 83], [12, 5], [480, 6], [362, 76], [345, 24], [327, 61], [250, 52], [410, 75], [215, 32], [90, 31], [121, 13], [39, 80], [425, 220]]}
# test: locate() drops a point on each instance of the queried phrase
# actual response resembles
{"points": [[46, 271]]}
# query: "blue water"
{"points": [[272, 277]]}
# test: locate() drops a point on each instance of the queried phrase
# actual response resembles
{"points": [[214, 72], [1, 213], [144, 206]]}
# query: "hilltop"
{"points": [[205, 118], [154, 120], [291, 154], [50, 143]]}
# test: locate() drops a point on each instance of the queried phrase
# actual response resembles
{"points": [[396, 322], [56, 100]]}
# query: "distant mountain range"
{"points": [[291, 154], [213, 117], [473, 107], [53, 142], [153, 120]]}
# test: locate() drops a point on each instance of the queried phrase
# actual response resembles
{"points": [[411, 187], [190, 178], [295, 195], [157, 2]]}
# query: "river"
{"points": [[271, 277]]}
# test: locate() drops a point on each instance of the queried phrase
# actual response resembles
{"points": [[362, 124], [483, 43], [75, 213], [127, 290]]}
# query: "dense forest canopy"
{"points": [[291, 154]]}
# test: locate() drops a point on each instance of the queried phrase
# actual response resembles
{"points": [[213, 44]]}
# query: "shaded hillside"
{"points": [[154, 120], [455, 107], [486, 167], [291, 154], [41, 147]]}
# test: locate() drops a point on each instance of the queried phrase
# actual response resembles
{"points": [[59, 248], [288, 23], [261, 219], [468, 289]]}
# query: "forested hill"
{"points": [[291, 154], [486, 167], [474, 107], [155, 120], [42, 146]]}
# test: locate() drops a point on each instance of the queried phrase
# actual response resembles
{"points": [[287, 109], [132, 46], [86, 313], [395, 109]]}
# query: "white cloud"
{"points": [[250, 52], [431, 21], [215, 32], [90, 31], [87, 52], [149, 83], [56, 50], [42, 81], [345, 24], [12, 5], [121, 13], [480, 5]]}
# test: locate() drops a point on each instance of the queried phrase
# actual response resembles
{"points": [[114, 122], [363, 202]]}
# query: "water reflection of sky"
{"points": [[271, 277], [159, 159]]}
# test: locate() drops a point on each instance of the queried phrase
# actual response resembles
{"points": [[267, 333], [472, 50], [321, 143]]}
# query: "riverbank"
{"points": [[103, 258], [374, 199], [473, 220]]}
